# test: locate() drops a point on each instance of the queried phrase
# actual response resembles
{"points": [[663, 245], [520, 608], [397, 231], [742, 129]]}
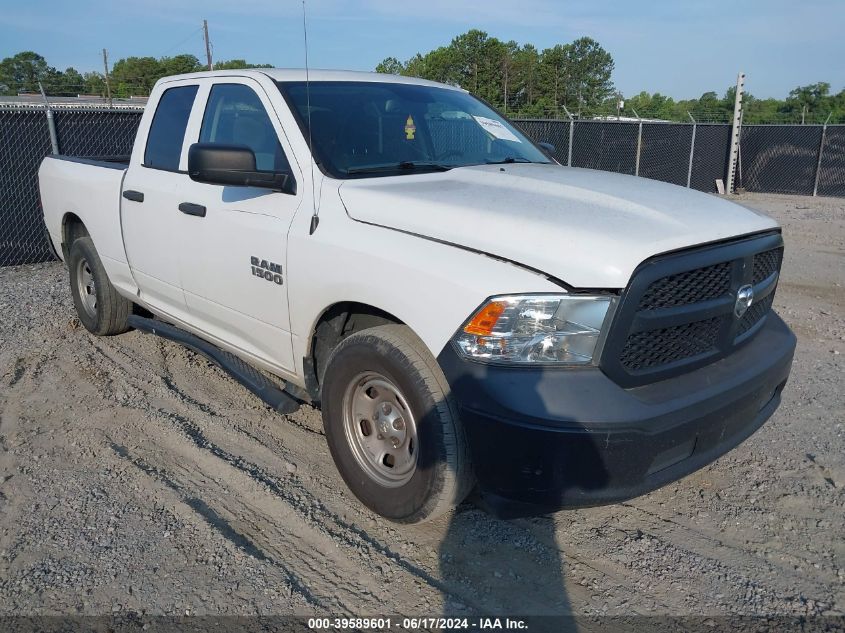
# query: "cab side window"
{"points": [[167, 132], [235, 115]]}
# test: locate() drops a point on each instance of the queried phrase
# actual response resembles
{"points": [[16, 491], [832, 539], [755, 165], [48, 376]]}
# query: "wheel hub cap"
{"points": [[380, 429], [87, 287]]}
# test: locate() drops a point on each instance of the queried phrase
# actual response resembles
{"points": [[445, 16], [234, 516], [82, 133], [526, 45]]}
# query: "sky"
{"points": [[680, 48]]}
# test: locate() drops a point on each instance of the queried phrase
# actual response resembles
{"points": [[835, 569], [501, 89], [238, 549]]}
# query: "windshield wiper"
{"points": [[509, 159], [405, 165]]}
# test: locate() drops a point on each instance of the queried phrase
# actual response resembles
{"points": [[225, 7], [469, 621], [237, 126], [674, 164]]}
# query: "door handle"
{"points": [[192, 209], [134, 196]]}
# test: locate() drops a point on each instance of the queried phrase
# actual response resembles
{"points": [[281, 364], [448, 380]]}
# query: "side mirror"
{"points": [[548, 147], [233, 165]]}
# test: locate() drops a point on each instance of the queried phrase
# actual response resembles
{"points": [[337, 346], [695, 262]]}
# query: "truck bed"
{"points": [[88, 188]]}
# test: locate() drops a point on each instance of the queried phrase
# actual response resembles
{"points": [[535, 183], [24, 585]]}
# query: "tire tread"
{"points": [[113, 310], [459, 478]]}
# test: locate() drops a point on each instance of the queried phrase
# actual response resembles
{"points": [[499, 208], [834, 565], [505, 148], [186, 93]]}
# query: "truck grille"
{"points": [[677, 313], [767, 263], [688, 287], [666, 345]]}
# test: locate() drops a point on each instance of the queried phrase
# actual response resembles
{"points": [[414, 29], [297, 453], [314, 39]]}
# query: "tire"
{"points": [[430, 472], [100, 308]]}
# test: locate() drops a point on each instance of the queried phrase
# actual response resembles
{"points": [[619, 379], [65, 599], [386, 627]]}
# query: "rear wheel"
{"points": [[392, 427], [100, 308]]}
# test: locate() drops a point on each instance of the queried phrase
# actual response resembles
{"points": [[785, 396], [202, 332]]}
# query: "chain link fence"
{"points": [[779, 158], [795, 159], [664, 152], [831, 173], [791, 159], [24, 142]]}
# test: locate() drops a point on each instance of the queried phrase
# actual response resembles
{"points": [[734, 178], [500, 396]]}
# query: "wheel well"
{"points": [[335, 324], [72, 228]]}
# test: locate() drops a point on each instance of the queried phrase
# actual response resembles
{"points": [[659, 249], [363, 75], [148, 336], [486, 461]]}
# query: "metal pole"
{"points": [[571, 136], [51, 122], [740, 188], [821, 152], [639, 144], [691, 151], [207, 44], [736, 129], [106, 68]]}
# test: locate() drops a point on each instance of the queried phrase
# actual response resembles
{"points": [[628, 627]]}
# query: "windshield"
{"points": [[365, 129]]}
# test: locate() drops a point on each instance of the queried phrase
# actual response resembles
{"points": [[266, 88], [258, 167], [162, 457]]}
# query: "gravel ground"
{"points": [[137, 477]]}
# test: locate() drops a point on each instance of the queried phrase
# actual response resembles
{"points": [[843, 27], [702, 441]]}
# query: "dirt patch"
{"points": [[136, 476]]}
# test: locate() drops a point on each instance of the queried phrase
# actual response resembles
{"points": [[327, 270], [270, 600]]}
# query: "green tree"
{"points": [[238, 64], [553, 73], [22, 72], [390, 66], [470, 59], [135, 75], [813, 100], [95, 84], [506, 53], [589, 68], [179, 64], [69, 83], [519, 78], [526, 63], [437, 65]]}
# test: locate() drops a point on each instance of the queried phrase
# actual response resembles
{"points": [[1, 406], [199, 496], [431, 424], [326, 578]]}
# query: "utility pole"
{"points": [[106, 69], [207, 44]]}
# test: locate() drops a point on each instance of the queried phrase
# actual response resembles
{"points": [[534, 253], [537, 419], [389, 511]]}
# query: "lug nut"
{"points": [[395, 441], [398, 424], [386, 408]]}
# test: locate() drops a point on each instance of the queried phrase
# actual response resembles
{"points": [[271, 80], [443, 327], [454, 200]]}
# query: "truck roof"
{"points": [[315, 75]]}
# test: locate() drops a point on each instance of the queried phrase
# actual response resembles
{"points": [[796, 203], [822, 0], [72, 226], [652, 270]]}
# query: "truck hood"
{"points": [[587, 228]]}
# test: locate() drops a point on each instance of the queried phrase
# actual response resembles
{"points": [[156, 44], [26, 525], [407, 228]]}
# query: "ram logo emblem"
{"points": [[744, 299]]}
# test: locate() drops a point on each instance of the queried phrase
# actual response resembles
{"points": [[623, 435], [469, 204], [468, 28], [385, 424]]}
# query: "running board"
{"points": [[245, 374]]}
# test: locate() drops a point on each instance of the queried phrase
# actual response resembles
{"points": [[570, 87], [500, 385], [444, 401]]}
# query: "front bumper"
{"points": [[572, 437]]}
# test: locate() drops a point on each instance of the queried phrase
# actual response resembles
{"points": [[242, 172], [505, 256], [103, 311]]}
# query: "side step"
{"points": [[245, 374]]}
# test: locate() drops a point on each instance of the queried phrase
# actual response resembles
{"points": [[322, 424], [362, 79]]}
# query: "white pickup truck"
{"points": [[466, 312]]}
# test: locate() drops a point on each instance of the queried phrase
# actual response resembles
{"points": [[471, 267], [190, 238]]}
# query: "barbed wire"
{"points": [[140, 86]]}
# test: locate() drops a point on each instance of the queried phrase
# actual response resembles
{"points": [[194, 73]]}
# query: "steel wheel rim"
{"points": [[87, 287], [380, 429]]}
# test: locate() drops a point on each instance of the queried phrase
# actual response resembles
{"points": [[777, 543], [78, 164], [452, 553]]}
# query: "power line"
{"points": [[172, 48]]}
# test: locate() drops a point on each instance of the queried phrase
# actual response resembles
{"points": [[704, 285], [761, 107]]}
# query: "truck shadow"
{"points": [[505, 559]]}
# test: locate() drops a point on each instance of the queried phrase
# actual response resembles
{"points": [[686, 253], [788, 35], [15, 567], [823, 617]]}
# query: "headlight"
{"points": [[535, 329]]}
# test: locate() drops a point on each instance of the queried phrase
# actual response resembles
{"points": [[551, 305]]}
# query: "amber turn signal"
{"points": [[484, 321]]}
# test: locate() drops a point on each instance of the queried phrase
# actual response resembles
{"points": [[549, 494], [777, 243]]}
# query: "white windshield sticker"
{"points": [[495, 128]]}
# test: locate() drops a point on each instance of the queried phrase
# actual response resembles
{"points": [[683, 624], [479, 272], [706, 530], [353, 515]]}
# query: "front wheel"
{"points": [[99, 306], [392, 426]]}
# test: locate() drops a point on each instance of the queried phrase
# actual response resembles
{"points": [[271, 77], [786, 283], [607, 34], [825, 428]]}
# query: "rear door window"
{"points": [[167, 132]]}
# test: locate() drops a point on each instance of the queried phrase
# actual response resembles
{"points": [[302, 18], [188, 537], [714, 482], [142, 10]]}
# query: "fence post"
{"points": [[639, 144], [571, 134], [51, 122], [691, 150], [736, 130], [821, 152]]}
